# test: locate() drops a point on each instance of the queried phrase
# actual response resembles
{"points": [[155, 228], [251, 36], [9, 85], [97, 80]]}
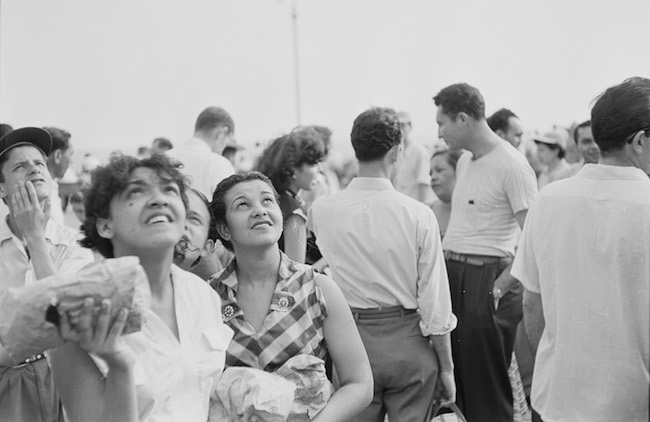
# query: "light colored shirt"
{"points": [[413, 172], [204, 167], [384, 250], [56, 206], [488, 193], [586, 249], [16, 267], [174, 377]]}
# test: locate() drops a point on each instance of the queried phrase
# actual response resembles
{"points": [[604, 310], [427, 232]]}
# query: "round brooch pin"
{"points": [[229, 311], [283, 303]]}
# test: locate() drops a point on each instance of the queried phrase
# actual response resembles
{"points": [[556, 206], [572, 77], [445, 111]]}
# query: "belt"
{"points": [[380, 313], [32, 359], [476, 260]]}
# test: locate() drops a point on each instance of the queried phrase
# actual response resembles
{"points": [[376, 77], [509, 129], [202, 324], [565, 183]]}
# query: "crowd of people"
{"points": [[491, 274]]}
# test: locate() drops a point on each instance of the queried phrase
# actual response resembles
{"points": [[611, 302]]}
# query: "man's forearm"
{"points": [[442, 347], [533, 319]]}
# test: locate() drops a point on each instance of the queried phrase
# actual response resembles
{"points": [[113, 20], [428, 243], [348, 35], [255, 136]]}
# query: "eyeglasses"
{"points": [[631, 137]]}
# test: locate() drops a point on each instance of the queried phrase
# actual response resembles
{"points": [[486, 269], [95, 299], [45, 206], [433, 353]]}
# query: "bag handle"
{"points": [[437, 406]]}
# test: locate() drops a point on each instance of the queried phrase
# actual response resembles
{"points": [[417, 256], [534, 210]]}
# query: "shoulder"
{"points": [[193, 286]]}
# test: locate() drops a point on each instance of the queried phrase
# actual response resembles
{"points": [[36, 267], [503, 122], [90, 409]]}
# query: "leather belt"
{"points": [[380, 313], [476, 260]]}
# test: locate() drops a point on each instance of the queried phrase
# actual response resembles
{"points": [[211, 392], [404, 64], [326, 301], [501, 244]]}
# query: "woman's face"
{"points": [[545, 154], [253, 216], [305, 176], [148, 214], [443, 178]]}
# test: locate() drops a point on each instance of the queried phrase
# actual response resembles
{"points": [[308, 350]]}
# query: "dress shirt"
{"points": [[384, 250], [585, 248]]}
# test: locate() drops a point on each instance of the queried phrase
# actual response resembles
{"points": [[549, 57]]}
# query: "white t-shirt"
{"points": [[586, 249], [174, 378], [488, 193], [204, 167]]}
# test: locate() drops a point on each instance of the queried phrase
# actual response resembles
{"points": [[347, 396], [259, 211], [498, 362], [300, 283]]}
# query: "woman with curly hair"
{"points": [[291, 162]]}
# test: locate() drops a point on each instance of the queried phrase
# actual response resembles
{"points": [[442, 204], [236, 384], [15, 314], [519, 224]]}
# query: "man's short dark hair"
{"points": [[214, 117], [286, 153], [461, 98], [60, 138], [110, 180], [218, 205], [619, 112], [375, 132], [500, 120], [586, 123]]}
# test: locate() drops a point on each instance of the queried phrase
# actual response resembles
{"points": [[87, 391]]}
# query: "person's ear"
{"points": [[208, 248], [57, 156], [462, 118], [501, 133], [223, 231], [104, 228]]}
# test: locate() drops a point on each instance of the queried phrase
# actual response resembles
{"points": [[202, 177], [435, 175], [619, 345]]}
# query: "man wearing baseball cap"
{"points": [[551, 148], [32, 247]]}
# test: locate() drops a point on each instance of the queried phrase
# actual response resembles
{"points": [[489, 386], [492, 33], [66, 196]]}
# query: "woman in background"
{"points": [[291, 162], [443, 181]]}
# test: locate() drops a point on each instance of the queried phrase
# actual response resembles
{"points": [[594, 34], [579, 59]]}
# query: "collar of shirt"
{"points": [[605, 172], [371, 183]]}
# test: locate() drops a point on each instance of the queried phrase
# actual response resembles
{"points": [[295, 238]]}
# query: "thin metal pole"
{"points": [[294, 16]]}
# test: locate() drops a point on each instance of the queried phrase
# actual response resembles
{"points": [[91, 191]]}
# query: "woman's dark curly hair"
{"points": [[111, 180], [287, 153], [218, 204]]}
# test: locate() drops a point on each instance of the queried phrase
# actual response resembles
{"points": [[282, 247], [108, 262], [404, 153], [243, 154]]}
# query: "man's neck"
{"points": [[374, 169], [483, 140]]}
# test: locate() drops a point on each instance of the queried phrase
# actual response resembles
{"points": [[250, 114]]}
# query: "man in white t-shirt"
{"points": [[584, 259], [495, 186], [201, 154]]}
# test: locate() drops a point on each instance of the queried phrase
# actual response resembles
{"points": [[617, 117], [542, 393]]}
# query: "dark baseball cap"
{"points": [[27, 136]]}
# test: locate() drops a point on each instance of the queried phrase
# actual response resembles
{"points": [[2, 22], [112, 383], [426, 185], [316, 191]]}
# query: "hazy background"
{"points": [[119, 73]]}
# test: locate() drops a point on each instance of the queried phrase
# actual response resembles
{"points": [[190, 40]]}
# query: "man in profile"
{"points": [[495, 186], [584, 259], [507, 125], [384, 251], [58, 162]]}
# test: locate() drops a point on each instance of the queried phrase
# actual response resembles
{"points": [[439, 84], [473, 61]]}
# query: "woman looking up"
{"points": [[277, 307], [166, 371], [291, 162]]}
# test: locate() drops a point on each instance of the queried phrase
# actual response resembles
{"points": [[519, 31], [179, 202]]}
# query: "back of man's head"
{"points": [[500, 120], [212, 118], [60, 138], [620, 112], [375, 132], [461, 98]]}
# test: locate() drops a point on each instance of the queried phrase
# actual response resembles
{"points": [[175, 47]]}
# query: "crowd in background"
{"points": [[403, 272]]}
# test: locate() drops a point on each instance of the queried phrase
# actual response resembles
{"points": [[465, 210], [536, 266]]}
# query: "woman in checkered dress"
{"points": [[279, 308]]}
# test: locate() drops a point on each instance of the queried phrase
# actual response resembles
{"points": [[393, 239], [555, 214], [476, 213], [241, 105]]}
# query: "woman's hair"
{"points": [[451, 156], [218, 205], [286, 153], [111, 180]]}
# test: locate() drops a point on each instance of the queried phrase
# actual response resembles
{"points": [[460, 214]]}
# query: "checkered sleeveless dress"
{"points": [[293, 325]]}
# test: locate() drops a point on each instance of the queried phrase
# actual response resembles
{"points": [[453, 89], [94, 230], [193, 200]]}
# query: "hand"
{"points": [[445, 391], [98, 335], [28, 214]]}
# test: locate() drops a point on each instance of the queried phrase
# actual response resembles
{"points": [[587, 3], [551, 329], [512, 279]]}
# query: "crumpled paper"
{"points": [[23, 329], [295, 392]]}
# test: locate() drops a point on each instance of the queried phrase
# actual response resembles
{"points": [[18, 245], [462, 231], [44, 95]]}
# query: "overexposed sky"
{"points": [[119, 73]]}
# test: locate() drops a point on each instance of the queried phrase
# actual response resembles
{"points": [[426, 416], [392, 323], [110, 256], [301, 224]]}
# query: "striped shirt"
{"points": [[293, 325]]}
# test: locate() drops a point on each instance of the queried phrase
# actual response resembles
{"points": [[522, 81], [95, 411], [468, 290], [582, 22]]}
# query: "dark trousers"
{"points": [[483, 341], [404, 368]]}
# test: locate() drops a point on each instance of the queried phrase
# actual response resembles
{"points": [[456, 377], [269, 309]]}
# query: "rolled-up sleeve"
{"points": [[433, 295]]}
